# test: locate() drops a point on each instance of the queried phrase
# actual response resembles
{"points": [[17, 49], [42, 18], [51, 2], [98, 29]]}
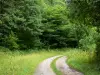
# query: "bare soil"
{"points": [[64, 68]]}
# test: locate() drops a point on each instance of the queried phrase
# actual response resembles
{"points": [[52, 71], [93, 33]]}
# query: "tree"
{"points": [[54, 17], [23, 20], [86, 12]]}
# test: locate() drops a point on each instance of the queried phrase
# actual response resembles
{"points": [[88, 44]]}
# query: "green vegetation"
{"points": [[36, 24], [79, 60], [25, 63], [53, 66], [22, 63], [49, 24], [82, 61], [87, 13]]}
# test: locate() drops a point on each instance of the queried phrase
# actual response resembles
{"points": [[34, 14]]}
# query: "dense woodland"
{"points": [[37, 24]]}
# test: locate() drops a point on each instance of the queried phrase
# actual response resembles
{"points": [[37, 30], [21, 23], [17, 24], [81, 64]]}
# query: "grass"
{"points": [[25, 62], [53, 66], [22, 63], [80, 61]]}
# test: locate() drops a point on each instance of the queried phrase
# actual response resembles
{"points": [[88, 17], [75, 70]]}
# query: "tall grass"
{"points": [[25, 62], [81, 61], [22, 63]]}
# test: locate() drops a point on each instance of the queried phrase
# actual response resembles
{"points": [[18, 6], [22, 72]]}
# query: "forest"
{"points": [[39, 29]]}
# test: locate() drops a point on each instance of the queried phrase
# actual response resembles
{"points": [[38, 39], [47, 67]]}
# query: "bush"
{"points": [[11, 41], [88, 42]]}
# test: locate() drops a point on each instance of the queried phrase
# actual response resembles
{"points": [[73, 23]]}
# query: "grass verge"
{"points": [[25, 62], [80, 61], [22, 63]]}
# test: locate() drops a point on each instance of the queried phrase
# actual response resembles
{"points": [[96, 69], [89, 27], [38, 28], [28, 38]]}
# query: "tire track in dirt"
{"points": [[64, 68], [44, 67]]}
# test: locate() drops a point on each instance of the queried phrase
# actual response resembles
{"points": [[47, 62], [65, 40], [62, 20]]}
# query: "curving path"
{"points": [[44, 67], [64, 68]]}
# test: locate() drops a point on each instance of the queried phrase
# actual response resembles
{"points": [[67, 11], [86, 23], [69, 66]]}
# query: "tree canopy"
{"points": [[87, 12], [27, 24]]}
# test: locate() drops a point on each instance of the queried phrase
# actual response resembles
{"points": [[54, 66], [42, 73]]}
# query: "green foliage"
{"points": [[54, 18], [88, 42], [24, 24], [86, 12], [46, 24], [11, 41]]}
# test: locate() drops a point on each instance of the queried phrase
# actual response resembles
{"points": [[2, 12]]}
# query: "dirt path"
{"points": [[64, 68], [44, 67]]}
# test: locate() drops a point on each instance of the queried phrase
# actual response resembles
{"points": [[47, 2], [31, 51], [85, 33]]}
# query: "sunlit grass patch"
{"points": [[25, 62], [20, 63], [82, 61]]}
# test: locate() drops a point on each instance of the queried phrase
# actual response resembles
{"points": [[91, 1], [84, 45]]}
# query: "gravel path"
{"points": [[64, 68], [44, 67]]}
